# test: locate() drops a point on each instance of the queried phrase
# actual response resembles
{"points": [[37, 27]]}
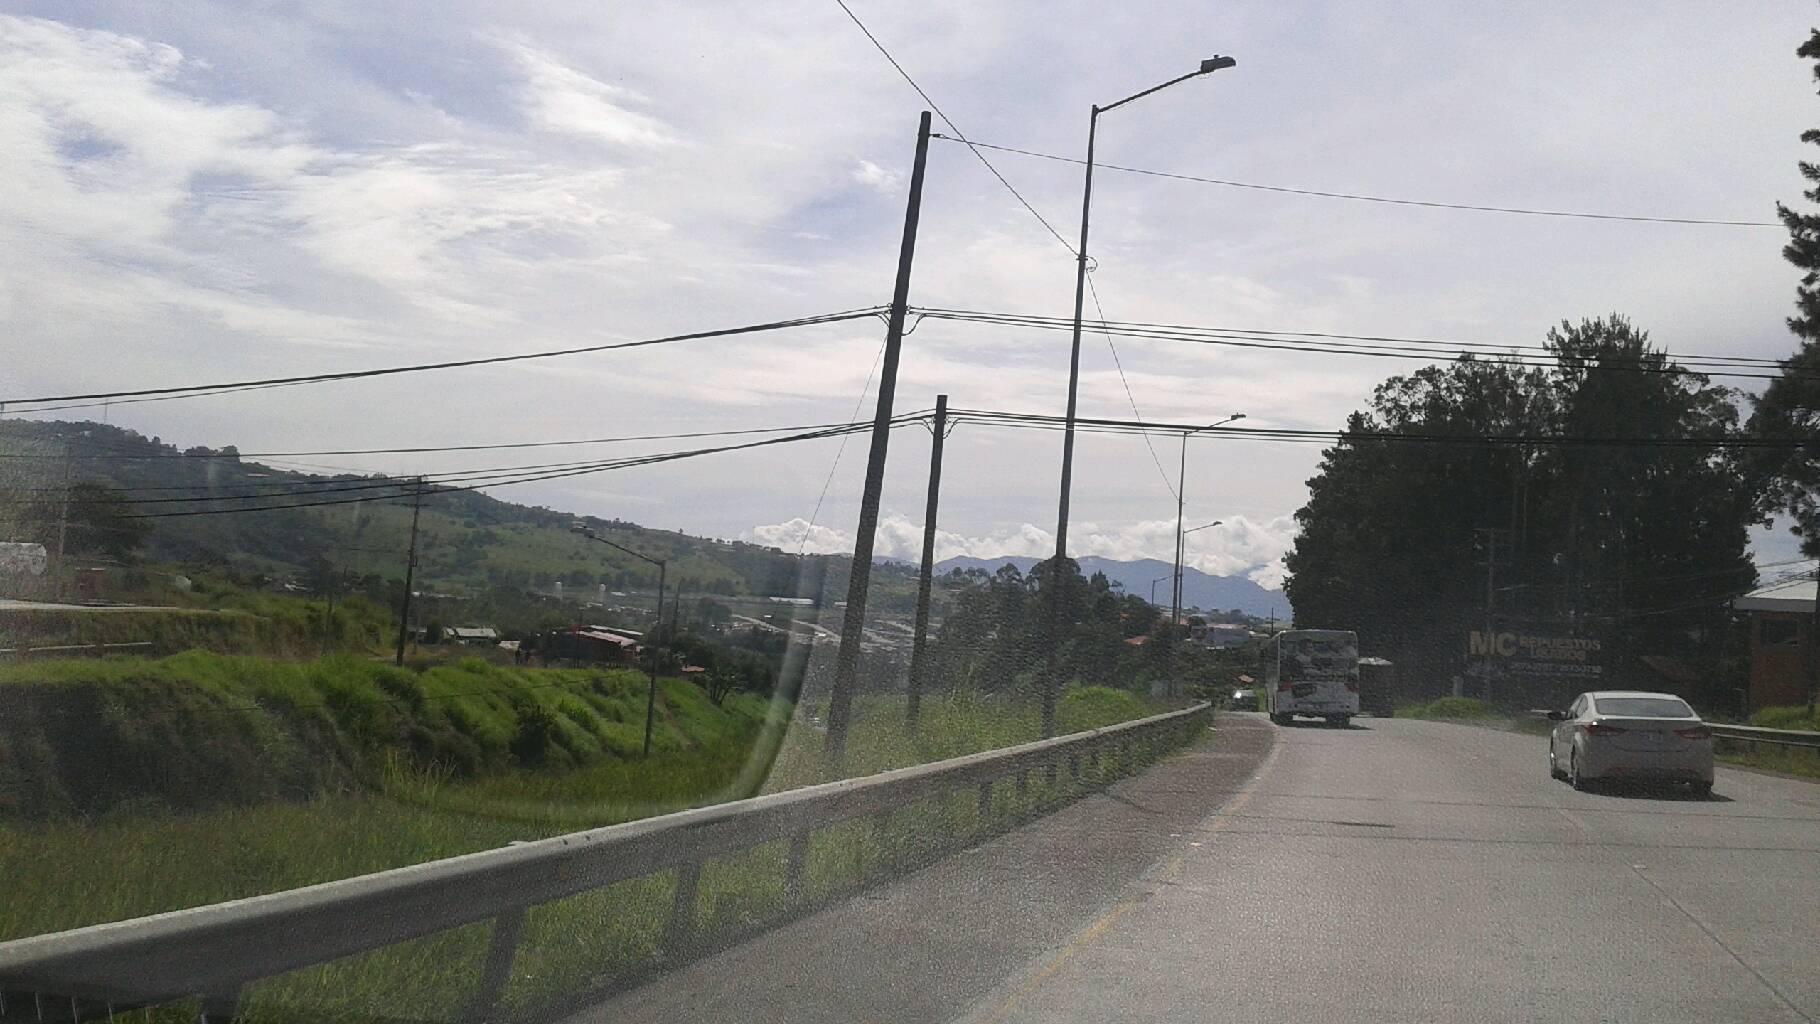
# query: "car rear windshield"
{"points": [[1643, 707]]}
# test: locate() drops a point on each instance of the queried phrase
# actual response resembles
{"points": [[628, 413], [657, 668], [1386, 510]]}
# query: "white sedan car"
{"points": [[1630, 735]]}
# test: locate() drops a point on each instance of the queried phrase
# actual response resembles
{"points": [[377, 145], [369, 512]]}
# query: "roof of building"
{"points": [[475, 632], [606, 637], [1788, 596]]}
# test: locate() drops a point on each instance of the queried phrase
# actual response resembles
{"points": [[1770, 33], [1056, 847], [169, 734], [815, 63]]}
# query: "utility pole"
{"points": [[651, 691], [63, 527], [1491, 579], [846, 665], [1810, 647], [410, 573], [328, 615], [926, 579], [663, 568]]}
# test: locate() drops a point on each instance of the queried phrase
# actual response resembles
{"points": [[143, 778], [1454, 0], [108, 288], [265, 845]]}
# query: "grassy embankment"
{"points": [[404, 767], [1778, 759], [238, 623]]}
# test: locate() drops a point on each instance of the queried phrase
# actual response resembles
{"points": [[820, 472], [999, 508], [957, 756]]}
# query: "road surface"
{"points": [[1397, 871]]}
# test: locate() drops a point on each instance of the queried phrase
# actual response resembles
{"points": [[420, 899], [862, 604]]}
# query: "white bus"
{"points": [[1313, 673]]}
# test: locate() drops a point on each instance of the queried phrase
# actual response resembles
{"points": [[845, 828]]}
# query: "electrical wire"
{"points": [[959, 136], [1037, 421], [838, 452], [242, 456], [1120, 366], [193, 390], [520, 478], [1358, 197], [1658, 362]]}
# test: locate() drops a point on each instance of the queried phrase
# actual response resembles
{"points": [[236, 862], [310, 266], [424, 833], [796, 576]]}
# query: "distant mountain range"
{"points": [[1199, 589]]}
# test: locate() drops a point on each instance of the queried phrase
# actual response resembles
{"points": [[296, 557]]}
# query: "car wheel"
{"points": [[1279, 719], [1574, 778], [1701, 790], [1342, 722]]}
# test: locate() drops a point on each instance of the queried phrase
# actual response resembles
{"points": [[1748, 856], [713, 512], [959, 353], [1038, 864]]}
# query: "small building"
{"points": [[474, 636], [586, 644], [1225, 635], [1781, 622]]}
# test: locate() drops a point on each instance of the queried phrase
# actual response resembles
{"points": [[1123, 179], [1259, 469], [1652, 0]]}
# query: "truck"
{"points": [[1312, 673]]}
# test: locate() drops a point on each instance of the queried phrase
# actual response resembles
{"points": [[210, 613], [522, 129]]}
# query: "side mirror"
{"points": [[1556, 716]]}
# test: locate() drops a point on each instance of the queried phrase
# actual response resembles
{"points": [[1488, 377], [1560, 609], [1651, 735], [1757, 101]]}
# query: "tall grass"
{"points": [[198, 730], [130, 863], [1457, 708], [948, 726]]}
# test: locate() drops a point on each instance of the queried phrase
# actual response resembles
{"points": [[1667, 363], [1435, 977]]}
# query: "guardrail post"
{"points": [[497, 970], [682, 910], [1074, 766], [985, 809], [1023, 787], [796, 861], [217, 1008], [881, 834]]}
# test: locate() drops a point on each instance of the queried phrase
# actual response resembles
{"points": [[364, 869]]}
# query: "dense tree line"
{"points": [[1554, 475]]}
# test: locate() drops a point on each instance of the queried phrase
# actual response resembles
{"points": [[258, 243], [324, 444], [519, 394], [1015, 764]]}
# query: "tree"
{"points": [[720, 684], [1790, 407], [1396, 534]]}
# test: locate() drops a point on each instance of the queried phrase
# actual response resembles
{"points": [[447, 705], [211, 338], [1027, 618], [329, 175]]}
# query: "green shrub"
{"points": [[1787, 718], [86, 737], [1447, 707]]}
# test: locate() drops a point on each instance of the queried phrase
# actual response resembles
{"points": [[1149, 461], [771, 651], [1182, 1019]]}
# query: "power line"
{"points": [[509, 478], [1660, 362], [193, 390], [838, 452], [1491, 348], [241, 456], [1358, 197], [959, 136], [1120, 366], [1038, 421]]}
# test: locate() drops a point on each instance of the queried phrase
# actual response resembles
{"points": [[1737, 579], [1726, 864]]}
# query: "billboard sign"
{"points": [[1540, 656], [21, 559]]}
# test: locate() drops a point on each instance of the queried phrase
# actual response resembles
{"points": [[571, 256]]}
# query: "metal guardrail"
{"points": [[214, 952], [1776, 737]]}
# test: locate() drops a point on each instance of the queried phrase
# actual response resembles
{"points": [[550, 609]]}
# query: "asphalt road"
{"points": [[1397, 871]]}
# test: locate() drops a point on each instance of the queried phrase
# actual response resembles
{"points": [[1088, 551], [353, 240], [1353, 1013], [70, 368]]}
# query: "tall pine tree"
{"points": [[1790, 406]]}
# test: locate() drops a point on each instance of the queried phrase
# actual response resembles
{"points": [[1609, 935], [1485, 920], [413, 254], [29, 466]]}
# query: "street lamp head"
{"points": [[1216, 63], [1236, 417]]}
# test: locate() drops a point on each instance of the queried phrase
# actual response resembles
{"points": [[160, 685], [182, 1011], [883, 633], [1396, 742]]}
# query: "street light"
{"points": [[662, 565], [1208, 66], [1181, 488], [1153, 584]]}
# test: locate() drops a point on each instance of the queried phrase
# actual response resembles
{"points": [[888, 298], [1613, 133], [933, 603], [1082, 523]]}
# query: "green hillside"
{"points": [[470, 544]]}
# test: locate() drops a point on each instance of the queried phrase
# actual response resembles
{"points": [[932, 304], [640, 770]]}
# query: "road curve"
{"points": [[1396, 871], [1410, 871]]}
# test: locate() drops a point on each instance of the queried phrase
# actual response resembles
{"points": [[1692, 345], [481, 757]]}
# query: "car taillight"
{"points": [[1601, 729], [1698, 732]]}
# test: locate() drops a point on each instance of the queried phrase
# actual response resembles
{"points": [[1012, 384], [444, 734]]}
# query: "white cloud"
{"points": [[875, 177], [800, 535], [212, 190], [1238, 547], [559, 98]]}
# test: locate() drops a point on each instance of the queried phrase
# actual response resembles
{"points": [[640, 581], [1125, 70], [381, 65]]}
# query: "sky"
{"points": [[203, 192]]}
